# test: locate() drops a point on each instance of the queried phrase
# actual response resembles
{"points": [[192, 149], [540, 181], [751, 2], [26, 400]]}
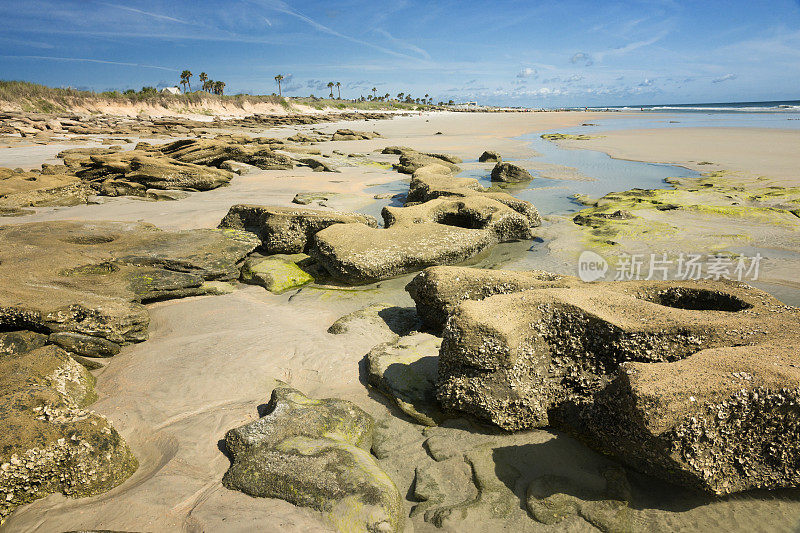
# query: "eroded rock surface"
{"points": [[437, 291], [689, 381], [510, 173], [49, 442], [287, 230], [446, 221], [90, 278], [315, 453]]}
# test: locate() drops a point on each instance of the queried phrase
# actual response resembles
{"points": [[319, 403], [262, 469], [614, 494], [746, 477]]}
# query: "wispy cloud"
{"points": [[630, 47], [282, 7], [402, 44], [89, 60], [726, 77], [146, 13], [527, 72], [582, 58]]}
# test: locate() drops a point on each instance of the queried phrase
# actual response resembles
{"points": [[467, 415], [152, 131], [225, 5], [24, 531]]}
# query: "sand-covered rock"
{"points": [[356, 253], [510, 173], [37, 189], [49, 442], [405, 370], [287, 230], [315, 453], [378, 321], [437, 291], [90, 277]]}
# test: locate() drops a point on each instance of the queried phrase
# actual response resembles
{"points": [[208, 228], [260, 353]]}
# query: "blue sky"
{"points": [[530, 53]]}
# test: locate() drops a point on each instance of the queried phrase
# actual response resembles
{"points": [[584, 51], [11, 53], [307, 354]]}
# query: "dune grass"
{"points": [[33, 97], [36, 98]]}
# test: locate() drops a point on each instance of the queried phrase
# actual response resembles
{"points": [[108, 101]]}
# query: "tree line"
{"points": [[209, 85]]}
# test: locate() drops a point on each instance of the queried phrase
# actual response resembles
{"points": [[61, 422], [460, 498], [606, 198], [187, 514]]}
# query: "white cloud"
{"points": [[726, 77], [528, 72]]}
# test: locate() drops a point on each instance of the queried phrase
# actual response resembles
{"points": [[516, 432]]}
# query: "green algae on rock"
{"points": [[568, 137], [276, 274], [315, 453]]}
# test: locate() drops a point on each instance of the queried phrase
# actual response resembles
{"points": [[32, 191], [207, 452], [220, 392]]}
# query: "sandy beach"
{"points": [[211, 361]]}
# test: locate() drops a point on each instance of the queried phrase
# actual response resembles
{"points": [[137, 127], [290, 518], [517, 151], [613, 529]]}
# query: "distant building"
{"points": [[171, 90]]}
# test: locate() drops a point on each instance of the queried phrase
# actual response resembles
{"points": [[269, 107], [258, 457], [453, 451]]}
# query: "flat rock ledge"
{"points": [[85, 282], [693, 382], [315, 453]]}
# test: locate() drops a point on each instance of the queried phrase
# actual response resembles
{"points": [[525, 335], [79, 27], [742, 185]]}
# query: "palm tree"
{"points": [[330, 86], [203, 79], [400, 96], [339, 88], [219, 87], [279, 78], [374, 91], [208, 85], [386, 96], [185, 75]]}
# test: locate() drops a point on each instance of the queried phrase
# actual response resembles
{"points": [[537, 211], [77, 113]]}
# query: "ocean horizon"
{"points": [[769, 106]]}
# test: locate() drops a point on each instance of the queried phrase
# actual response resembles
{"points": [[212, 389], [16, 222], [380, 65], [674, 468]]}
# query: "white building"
{"points": [[171, 90]]}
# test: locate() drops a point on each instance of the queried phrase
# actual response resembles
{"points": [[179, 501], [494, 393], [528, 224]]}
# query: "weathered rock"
{"points": [[356, 253], [435, 181], [510, 173], [157, 194], [20, 342], [215, 152], [85, 345], [274, 274], [236, 167], [471, 212], [350, 135], [722, 420], [33, 189], [378, 321], [152, 172], [315, 164], [396, 150], [315, 453], [437, 291], [284, 229], [48, 442], [490, 157], [405, 370], [89, 277], [411, 161], [305, 198], [689, 381]]}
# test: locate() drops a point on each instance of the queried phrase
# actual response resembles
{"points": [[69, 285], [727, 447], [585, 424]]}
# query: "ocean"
{"points": [[778, 106]]}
